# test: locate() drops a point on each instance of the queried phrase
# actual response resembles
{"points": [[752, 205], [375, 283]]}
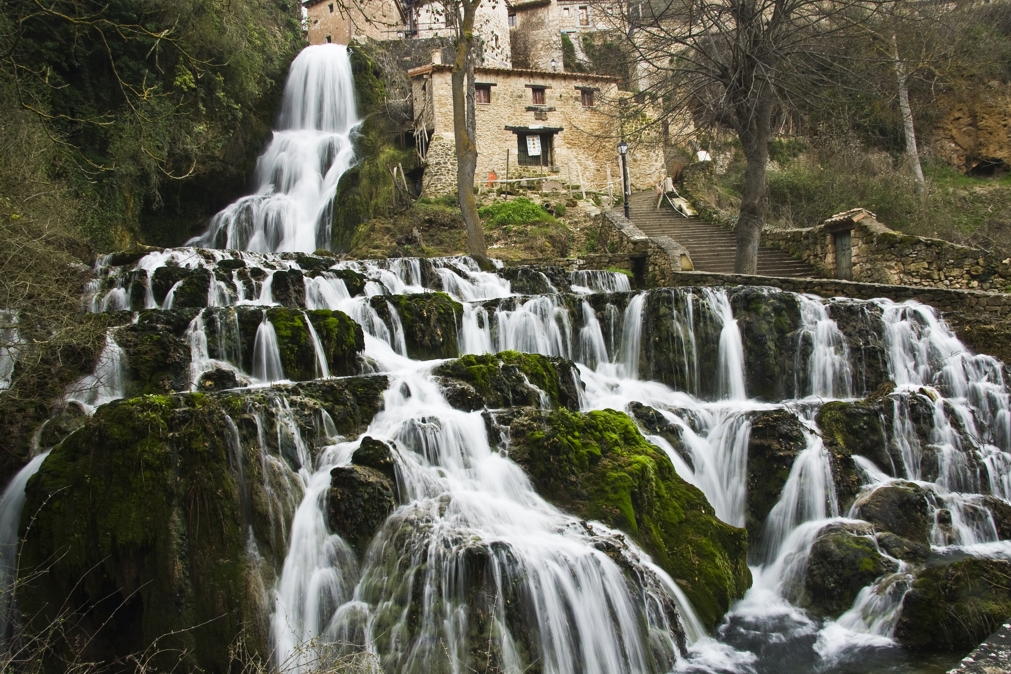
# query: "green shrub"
{"points": [[516, 212], [560, 209]]}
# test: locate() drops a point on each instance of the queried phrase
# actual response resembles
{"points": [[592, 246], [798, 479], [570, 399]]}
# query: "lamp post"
{"points": [[623, 151]]}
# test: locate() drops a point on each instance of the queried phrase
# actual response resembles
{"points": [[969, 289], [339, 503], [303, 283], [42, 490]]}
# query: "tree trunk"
{"points": [[465, 129], [754, 129], [912, 154]]}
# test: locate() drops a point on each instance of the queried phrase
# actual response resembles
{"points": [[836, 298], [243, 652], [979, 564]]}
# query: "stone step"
{"points": [[711, 247]]}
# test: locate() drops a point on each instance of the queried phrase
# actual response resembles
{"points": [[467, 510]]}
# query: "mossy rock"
{"points": [[900, 508], [536, 280], [956, 606], [768, 321], [776, 440], [855, 428], [137, 518], [501, 380], [157, 356], [655, 423], [670, 345], [598, 466], [377, 455], [341, 338], [287, 287], [358, 502], [900, 548], [429, 321], [840, 564], [192, 291], [140, 520]]}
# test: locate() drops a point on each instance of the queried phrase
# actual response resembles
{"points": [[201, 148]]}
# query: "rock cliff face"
{"points": [[974, 133]]}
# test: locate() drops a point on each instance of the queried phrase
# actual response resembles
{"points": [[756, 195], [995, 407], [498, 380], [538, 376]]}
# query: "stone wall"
{"points": [[585, 150], [654, 262], [882, 255], [342, 22], [535, 39], [982, 320]]}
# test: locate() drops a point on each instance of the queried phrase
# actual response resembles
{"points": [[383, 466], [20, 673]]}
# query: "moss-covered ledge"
{"points": [[509, 379], [137, 527], [598, 466]]}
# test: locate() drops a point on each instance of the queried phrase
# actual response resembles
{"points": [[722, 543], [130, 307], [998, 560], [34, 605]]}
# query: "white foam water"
{"points": [[297, 174]]}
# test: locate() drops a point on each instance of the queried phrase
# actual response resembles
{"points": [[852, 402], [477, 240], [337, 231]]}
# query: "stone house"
{"points": [[342, 21], [537, 124]]}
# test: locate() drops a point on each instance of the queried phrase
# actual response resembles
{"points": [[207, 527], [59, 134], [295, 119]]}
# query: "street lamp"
{"points": [[623, 151]]}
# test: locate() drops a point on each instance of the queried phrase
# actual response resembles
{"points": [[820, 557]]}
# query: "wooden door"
{"points": [[844, 255]]}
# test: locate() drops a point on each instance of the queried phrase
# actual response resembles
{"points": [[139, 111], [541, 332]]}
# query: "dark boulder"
{"points": [[860, 323], [954, 607], [358, 502], [777, 438], [375, 454], [840, 564], [191, 291], [536, 280], [429, 321], [903, 549], [217, 379], [900, 508], [287, 287], [768, 321], [848, 429]]}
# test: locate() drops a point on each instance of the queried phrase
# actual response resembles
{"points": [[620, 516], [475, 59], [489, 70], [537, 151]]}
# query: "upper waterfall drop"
{"points": [[298, 172]]}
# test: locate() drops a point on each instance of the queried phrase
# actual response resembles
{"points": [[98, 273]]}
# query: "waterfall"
{"points": [[828, 366], [731, 354], [462, 499], [106, 383], [946, 427], [11, 504], [298, 172], [266, 353]]}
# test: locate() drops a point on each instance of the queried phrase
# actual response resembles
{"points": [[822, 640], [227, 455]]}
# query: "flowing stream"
{"points": [[465, 504]]}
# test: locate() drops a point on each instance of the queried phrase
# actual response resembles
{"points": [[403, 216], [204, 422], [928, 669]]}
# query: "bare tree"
{"points": [[735, 63], [462, 14]]}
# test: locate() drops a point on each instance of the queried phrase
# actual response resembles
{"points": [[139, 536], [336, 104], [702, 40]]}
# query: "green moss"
{"points": [[955, 606], [494, 377], [341, 338], [598, 466], [136, 517], [429, 321], [839, 566]]}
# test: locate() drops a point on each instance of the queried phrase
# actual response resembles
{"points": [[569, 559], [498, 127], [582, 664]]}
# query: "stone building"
{"points": [[342, 21], [537, 124]]}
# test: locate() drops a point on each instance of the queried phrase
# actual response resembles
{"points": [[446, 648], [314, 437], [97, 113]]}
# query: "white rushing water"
{"points": [[463, 499], [472, 550], [298, 172]]}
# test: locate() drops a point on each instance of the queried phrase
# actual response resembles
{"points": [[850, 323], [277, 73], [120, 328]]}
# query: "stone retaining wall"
{"points": [[982, 320], [882, 255], [653, 261]]}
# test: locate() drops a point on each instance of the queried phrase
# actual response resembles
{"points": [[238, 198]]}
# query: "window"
{"points": [[565, 12], [512, 20], [482, 93], [584, 16], [328, 39], [330, 7], [586, 95], [538, 95], [494, 38]]}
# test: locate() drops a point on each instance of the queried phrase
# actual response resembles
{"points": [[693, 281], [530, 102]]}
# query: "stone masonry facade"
{"points": [[882, 255], [583, 138]]}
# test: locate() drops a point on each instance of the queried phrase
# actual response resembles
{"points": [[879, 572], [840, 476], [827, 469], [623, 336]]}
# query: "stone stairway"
{"points": [[711, 247]]}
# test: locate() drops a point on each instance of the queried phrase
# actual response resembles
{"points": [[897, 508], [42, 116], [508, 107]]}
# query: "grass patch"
{"points": [[519, 211]]}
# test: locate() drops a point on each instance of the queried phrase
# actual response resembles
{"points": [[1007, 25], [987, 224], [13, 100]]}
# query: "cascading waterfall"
{"points": [[298, 172]]}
